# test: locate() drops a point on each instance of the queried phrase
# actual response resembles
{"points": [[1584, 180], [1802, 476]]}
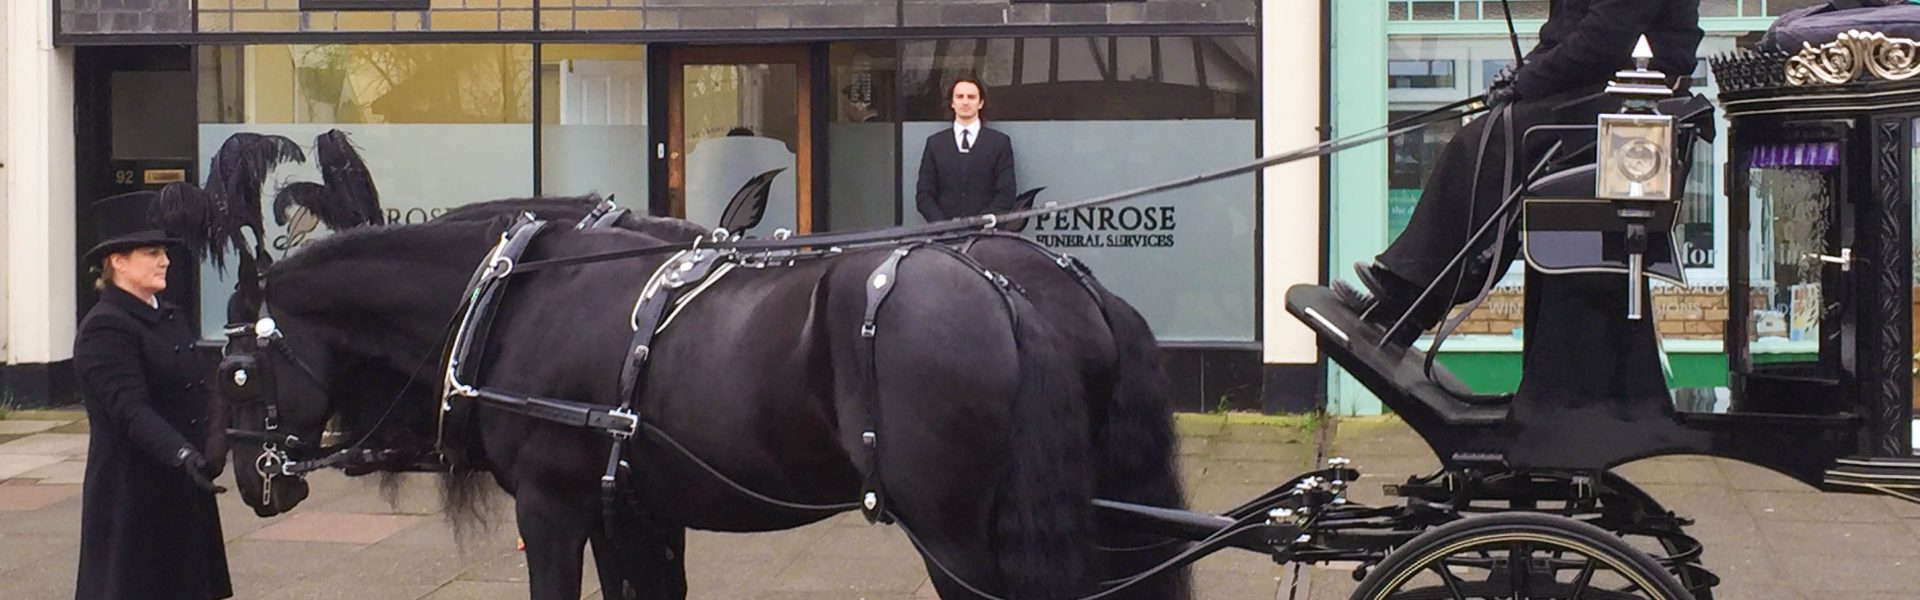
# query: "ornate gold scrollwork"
{"points": [[1855, 52]]}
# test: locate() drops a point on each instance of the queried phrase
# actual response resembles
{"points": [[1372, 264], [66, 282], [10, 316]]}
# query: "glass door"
{"points": [[739, 138], [1791, 340]]}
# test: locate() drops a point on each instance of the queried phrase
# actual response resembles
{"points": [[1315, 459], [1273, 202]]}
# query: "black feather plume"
{"points": [[749, 204], [303, 193], [238, 170], [349, 183], [185, 211]]}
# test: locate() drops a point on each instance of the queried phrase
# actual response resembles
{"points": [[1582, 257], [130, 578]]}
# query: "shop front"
{"points": [[675, 110]]}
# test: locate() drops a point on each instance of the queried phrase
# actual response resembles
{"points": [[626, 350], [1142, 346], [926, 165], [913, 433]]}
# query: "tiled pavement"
{"points": [[348, 541], [1768, 537]]}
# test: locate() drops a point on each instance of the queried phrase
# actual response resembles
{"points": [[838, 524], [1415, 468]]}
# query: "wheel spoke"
{"points": [[1447, 577], [1581, 583], [1519, 563]]}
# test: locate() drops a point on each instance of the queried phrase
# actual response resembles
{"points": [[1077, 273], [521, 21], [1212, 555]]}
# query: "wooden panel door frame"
{"points": [[678, 57]]}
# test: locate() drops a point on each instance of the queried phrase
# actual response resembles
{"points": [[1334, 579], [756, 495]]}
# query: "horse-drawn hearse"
{"points": [[627, 377]]}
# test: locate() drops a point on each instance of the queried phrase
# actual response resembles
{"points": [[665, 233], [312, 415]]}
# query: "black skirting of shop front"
{"points": [[1217, 379]]}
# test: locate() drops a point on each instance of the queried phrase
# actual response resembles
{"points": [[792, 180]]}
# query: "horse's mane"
{"points": [[573, 207], [383, 241]]}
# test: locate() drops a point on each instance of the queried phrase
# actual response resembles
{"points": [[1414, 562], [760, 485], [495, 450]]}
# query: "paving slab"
{"points": [[18, 427], [47, 444], [66, 471], [16, 465], [35, 497], [345, 528]]}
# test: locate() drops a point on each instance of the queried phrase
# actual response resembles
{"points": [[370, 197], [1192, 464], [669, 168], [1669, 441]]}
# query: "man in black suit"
{"points": [[1562, 80], [966, 169]]}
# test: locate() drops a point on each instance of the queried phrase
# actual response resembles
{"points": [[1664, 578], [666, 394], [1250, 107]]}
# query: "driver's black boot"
{"points": [[1386, 298]]}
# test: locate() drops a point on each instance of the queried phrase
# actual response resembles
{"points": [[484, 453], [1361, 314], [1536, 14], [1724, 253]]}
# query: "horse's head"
{"points": [[347, 333], [275, 421]]}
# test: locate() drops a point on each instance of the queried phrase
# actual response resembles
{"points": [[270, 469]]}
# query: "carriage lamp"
{"points": [[1636, 157], [1636, 146], [1635, 162]]}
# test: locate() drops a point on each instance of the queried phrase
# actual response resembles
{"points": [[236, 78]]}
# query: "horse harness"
{"points": [[672, 286]]}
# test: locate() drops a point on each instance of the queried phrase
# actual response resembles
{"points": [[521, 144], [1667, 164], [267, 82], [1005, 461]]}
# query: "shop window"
{"points": [[1095, 115], [593, 122], [862, 148], [1420, 74], [438, 126]]}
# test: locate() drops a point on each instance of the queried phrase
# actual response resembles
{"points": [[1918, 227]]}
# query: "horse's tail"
{"points": [[1136, 452], [1043, 516]]}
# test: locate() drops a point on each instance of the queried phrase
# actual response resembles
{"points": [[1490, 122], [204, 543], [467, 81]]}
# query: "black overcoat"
{"points": [[146, 530]]}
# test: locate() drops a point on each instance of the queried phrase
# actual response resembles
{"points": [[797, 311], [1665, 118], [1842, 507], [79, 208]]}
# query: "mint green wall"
{"points": [[1358, 212]]}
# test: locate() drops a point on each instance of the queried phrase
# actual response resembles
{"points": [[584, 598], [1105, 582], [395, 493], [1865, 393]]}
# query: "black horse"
{"points": [[987, 454], [1107, 340]]}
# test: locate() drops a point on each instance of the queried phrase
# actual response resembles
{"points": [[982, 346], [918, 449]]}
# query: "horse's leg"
{"points": [[555, 531], [649, 557]]}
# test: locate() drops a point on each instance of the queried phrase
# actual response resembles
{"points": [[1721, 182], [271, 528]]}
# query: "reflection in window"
{"points": [[860, 136], [1418, 74], [437, 126], [1086, 78], [1792, 188]]}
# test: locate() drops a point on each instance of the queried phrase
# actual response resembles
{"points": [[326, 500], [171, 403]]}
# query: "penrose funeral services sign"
{"points": [[1107, 227]]}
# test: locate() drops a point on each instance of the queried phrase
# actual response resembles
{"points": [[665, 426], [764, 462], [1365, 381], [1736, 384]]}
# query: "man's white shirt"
{"points": [[972, 132]]}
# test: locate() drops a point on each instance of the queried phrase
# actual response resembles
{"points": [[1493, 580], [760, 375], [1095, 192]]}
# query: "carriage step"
{"points": [[1396, 374]]}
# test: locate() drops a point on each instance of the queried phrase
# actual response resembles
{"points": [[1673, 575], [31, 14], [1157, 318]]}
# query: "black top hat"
{"points": [[122, 223]]}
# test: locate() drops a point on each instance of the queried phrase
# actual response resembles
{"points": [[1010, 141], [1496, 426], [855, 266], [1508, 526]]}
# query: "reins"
{"points": [[826, 243]]}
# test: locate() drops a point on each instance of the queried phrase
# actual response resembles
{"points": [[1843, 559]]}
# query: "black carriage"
{"points": [[1820, 338]]}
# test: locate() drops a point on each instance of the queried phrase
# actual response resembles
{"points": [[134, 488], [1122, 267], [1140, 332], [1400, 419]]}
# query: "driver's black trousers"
{"points": [[1451, 207]]}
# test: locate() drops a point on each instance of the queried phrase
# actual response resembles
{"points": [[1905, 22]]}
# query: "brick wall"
{"points": [[1680, 313]]}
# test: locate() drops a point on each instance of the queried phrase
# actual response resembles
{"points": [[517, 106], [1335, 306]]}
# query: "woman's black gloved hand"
{"points": [[195, 465]]}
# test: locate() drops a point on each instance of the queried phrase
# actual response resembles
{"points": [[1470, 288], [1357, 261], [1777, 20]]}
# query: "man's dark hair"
{"points": [[976, 85]]}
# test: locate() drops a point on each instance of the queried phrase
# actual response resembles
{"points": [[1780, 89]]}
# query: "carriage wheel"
{"points": [[1519, 555]]}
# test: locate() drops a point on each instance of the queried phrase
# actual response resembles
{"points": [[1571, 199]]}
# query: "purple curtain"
{"points": [[1805, 154]]}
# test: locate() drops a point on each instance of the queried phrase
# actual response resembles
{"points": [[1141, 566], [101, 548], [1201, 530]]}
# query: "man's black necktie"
{"points": [[966, 140]]}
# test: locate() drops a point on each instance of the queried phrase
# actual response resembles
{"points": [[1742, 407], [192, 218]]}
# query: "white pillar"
{"points": [[4, 170], [36, 243], [1291, 59]]}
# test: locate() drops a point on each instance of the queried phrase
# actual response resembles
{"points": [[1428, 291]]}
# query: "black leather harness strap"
{"points": [[880, 284], [483, 294], [686, 268]]}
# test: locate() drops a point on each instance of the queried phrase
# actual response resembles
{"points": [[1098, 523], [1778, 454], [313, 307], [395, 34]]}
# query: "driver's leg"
{"points": [[1446, 216]]}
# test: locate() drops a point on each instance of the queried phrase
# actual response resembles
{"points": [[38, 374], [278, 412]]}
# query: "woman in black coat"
{"points": [[148, 524]]}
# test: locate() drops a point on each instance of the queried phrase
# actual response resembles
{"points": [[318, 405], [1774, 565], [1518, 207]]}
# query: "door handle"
{"points": [[1845, 259]]}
